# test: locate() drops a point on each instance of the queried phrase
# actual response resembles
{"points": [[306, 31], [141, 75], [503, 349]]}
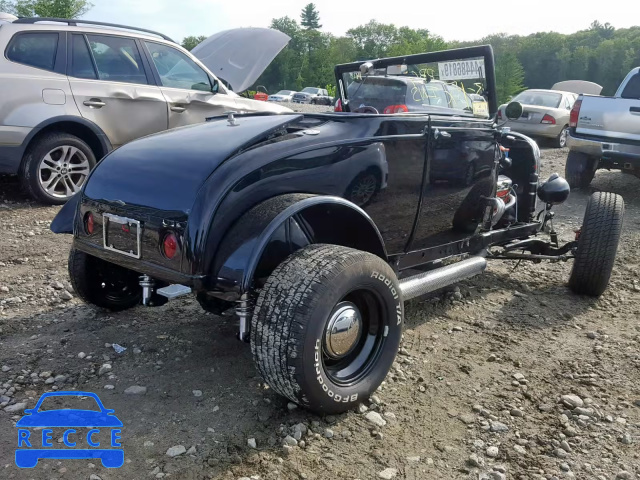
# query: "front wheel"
{"points": [[597, 244], [102, 283], [327, 326]]}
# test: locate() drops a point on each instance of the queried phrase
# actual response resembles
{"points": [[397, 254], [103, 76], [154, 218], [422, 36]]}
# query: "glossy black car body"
{"points": [[242, 194]]}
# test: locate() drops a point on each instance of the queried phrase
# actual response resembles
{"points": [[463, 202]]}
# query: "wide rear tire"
{"points": [[327, 326], [597, 244], [102, 283]]}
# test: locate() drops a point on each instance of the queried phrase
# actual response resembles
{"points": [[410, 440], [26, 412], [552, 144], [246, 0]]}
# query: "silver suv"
{"points": [[73, 90]]}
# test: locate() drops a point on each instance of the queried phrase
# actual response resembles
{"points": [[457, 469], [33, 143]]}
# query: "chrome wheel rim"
{"points": [[343, 330], [353, 337], [563, 137], [363, 190], [63, 171]]}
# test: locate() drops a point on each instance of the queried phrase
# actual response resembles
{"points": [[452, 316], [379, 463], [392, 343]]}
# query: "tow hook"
{"points": [[147, 284]]}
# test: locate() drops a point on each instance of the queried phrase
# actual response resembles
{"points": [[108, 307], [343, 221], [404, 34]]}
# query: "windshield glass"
{"points": [[539, 99], [440, 87], [285, 92], [310, 90]]}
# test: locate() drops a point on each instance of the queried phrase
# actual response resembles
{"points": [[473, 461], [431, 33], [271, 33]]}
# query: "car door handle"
{"points": [[94, 103], [437, 134], [634, 109], [177, 109]]}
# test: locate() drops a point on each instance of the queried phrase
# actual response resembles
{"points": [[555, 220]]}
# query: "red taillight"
{"points": [[548, 119], [499, 114], [396, 109], [170, 245], [89, 224], [338, 107], [575, 113]]}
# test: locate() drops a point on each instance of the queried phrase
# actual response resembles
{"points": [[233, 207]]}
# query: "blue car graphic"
{"points": [[69, 418]]}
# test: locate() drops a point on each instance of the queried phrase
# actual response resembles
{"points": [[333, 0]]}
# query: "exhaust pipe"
{"points": [[427, 282]]}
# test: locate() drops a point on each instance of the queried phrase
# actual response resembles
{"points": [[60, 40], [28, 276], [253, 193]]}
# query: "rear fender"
{"points": [[63, 222], [268, 233]]}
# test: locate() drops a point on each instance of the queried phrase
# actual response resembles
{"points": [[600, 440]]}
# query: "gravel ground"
{"points": [[507, 375]]}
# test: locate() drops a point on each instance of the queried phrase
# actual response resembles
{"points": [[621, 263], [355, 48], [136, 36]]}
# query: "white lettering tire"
{"points": [[288, 330]]}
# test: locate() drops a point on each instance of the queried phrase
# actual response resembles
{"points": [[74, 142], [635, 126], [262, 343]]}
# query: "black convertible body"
{"points": [[253, 211]]}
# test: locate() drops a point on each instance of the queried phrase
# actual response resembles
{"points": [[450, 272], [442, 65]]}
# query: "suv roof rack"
{"points": [[74, 22]]}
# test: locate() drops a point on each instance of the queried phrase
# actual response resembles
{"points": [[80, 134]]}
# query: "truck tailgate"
{"points": [[610, 117]]}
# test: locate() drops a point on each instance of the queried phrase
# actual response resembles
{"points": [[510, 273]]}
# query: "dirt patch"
{"points": [[477, 391]]}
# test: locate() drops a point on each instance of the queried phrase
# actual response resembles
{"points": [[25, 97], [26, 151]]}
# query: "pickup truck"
{"points": [[312, 95], [604, 132]]}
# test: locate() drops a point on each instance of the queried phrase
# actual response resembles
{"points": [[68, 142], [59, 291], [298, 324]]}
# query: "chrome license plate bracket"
{"points": [[121, 235]]}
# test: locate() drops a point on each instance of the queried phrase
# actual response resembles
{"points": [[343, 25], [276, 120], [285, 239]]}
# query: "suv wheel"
{"points": [[579, 169], [103, 284], [363, 188], [597, 244], [327, 326], [55, 167]]}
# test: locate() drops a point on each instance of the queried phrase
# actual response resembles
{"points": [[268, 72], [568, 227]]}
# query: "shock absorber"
{"points": [[244, 309], [147, 284]]}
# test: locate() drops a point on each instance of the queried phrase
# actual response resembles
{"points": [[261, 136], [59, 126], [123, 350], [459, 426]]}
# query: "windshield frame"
{"points": [[484, 51]]}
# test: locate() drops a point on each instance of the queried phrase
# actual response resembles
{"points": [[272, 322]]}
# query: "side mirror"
{"points": [[514, 110], [215, 86]]}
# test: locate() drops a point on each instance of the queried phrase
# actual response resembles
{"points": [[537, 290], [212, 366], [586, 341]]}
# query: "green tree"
{"points": [[509, 76], [191, 41], [47, 8], [310, 18], [373, 40]]}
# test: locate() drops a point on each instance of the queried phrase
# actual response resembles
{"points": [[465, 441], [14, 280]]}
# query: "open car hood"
{"points": [[578, 86], [239, 56]]}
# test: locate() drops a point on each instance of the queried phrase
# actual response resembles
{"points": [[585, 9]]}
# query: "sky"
{"points": [[453, 20]]}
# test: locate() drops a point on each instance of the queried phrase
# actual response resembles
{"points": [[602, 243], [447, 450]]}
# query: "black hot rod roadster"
{"points": [[316, 228]]}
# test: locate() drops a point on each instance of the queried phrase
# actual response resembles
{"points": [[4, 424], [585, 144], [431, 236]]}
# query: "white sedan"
{"points": [[281, 96]]}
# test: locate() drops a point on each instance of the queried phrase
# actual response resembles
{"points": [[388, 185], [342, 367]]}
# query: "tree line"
{"points": [[600, 53]]}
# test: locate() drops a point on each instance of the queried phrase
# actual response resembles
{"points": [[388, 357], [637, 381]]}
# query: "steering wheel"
{"points": [[366, 109]]}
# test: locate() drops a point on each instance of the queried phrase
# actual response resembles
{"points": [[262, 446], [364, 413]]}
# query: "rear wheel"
{"points": [[55, 167], [561, 140], [102, 283], [597, 244], [363, 188], [579, 169], [327, 326]]}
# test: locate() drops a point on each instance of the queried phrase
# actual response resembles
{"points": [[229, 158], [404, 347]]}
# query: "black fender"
{"points": [[64, 221], [269, 232]]}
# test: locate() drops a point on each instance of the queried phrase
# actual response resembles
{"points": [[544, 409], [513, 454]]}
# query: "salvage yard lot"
{"points": [[475, 393]]}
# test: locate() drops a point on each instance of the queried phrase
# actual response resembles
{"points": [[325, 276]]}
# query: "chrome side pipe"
{"points": [[433, 280]]}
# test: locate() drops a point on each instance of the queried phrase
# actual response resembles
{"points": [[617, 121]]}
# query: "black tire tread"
{"points": [[289, 295], [598, 244]]}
